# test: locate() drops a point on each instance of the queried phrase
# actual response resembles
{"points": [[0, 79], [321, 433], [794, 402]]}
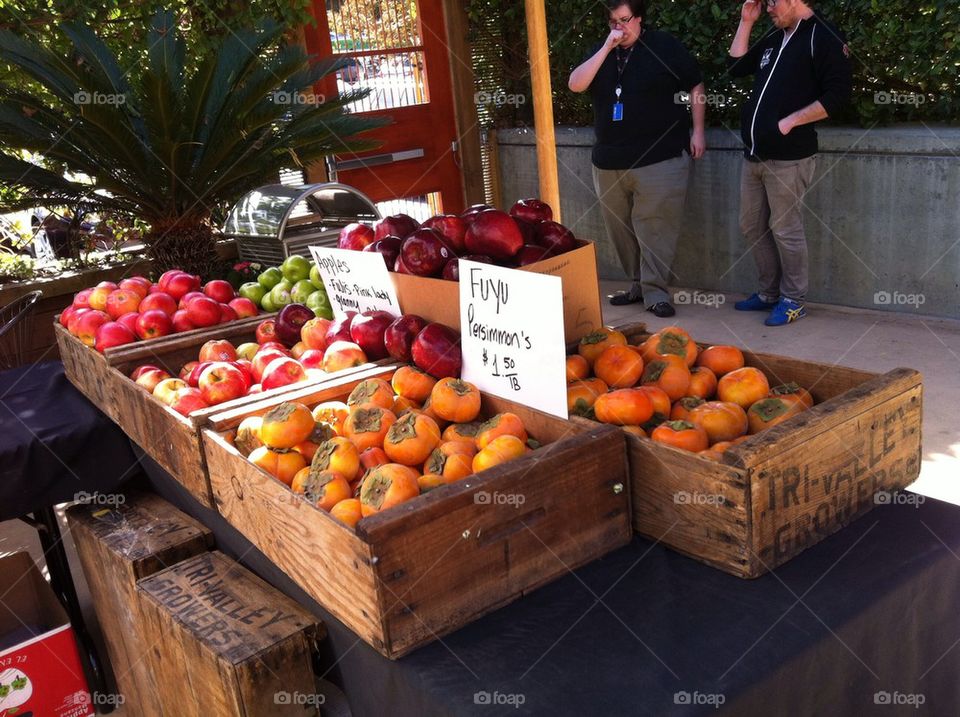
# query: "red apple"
{"points": [[153, 323], [187, 369], [220, 382], [314, 333], [367, 330], [88, 324], [275, 345], [531, 210], [142, 369], [555, 237], [355, 236], [82, 299], [188, 297], [243, 307], [203, 311], [263, 359], [193, 378], [166, 276], [399, 336], [65, 315], [400, 268], [227, 313], [388, 248], [398, 225], [98, 298], [282, 372], [180, 284], [528, 230], [436, 350], [255, 388], [74, 319], [290, 320], [470, 213], [136, 286], [160, 301], [339, 329], [451, 270], [311, 358], [494, 233], [219, 290], [452, 228], [181, 322], [107, 285], [246, 368], [148, 380], [266, 331], [120, 302], [424, 253], [247, 350], [342, 354], [155, 289], [130, 321], [187, 400], [532, 253], [296, 351], [166, 390], [111, 334], [218, 350]]}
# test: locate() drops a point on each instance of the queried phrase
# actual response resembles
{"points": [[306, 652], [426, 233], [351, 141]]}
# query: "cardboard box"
{"points": [[40, 669], [439, 300]]}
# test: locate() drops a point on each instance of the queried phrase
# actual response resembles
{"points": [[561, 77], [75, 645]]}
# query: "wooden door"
{"points": [[399, 51]]}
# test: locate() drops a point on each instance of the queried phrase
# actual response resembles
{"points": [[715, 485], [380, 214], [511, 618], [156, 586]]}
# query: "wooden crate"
{"points": [[170, 438], [225, 643], [786, 488], [117, 547], [429, 566]]}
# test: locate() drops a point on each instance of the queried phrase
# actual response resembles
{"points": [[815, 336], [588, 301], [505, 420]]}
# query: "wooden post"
{"points": [[543, 105]]}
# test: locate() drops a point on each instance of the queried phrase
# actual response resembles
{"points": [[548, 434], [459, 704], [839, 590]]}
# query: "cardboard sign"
{"points": [[511, 333], [355, 281]]}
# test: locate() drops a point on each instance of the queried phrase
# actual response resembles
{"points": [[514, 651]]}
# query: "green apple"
{"points": [[247, 351], [315, 277], [270, 278], [284, 285], [266, 303], [301, 290], [296, 268], [280, 296], [253, 291], [319, 302]]}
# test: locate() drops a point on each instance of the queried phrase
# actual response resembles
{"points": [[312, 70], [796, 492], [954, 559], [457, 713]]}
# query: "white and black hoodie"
{"points": [[813, 64]]}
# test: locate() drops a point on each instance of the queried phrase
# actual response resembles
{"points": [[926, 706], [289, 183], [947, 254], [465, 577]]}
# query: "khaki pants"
{"points": [[642, 210], [771, 219]]}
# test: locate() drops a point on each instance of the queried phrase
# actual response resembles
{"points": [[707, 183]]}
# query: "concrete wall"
{"points": [[883, 214]]}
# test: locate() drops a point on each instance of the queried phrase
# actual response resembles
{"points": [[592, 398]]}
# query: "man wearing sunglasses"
{"points": [[802, 75], [636, 78]]}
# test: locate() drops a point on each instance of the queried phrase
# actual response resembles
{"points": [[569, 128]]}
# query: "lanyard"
{"points": [[621, 66]]}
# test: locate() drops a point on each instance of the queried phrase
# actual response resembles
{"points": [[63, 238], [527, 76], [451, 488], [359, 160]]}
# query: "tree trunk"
{"points": [[189, 247]]}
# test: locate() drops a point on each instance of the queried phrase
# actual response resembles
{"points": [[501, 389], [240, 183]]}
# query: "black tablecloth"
{"points": [[54, 443], [868, 615]]}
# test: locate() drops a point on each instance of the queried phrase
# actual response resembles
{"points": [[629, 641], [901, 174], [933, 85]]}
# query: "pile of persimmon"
{"points": [[671, 391], [387, 444]]}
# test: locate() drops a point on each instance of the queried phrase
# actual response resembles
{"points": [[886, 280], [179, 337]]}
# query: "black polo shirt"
{"points": [[655, 126]]}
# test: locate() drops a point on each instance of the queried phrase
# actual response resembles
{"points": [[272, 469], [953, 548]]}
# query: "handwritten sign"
{"points": [[511, 325], [355, 281]]}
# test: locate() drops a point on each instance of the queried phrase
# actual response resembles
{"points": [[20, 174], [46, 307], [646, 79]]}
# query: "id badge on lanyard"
{"points": [[618, 108]]}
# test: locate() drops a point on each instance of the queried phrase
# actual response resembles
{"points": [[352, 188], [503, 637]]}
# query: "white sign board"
{"points": [[511, 334], [355, 281]]}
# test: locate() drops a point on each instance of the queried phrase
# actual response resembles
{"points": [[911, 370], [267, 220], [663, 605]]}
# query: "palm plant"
{"points": [[172, 139]]}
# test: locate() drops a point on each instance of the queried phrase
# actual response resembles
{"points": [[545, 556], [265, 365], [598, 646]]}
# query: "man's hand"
{"points": [[614, 38], [786, 126], [698, 144], [750, 12]]}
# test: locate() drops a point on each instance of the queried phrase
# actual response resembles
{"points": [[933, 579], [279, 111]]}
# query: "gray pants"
{"points": [[771, 219], [643, 208]]}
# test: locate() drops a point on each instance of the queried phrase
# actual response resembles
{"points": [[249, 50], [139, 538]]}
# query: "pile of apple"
{"points": [[295, 281], [112, 314], [525, 235]]}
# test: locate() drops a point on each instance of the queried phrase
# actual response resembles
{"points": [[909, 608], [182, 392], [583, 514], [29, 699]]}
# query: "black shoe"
{"points": [[662, 310], [625, 298]]}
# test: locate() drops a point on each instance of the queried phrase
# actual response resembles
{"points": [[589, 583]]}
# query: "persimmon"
{"points": [[372, 457], [594, 343], [721, 446], [428, 410], [681, 409], [674, 341], [286, 425], [499, 450], [769, 412], [659, 398], [403, 405], [581, 395], [367, 425], [333, 413], [577, 367], [636, 431], [453, 460], [789, 392], [703, 383], [339, 455], [744, 387], [347, 512], [412, 383], [321, 433], [721, 359], [386, 486], [711, 455], [411, 440], [322, 488], [248, 435], [619, 367], [721, 420], [429, 481], [372, 390], [681, 434], [624, 407], [282, 465], [503, 424], [455, 400], [461, 431], [668, 373]]}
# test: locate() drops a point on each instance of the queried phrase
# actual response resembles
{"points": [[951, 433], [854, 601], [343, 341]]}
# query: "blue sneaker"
{"points": [[786, 311], [754, 303]]}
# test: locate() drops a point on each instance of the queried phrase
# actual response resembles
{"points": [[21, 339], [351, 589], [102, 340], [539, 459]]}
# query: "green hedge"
{"points": [[905, 50]]}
